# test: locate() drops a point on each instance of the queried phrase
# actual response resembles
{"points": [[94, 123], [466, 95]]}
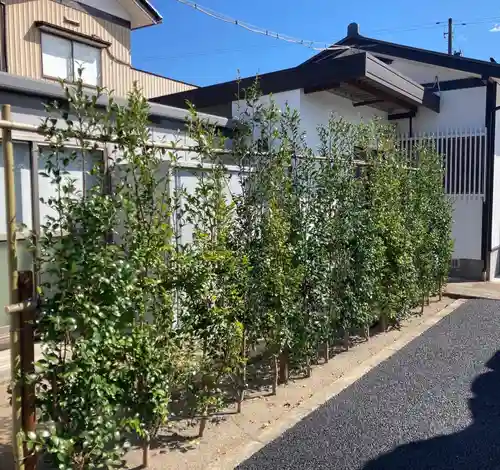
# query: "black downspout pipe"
{"points": [[491, 109]]}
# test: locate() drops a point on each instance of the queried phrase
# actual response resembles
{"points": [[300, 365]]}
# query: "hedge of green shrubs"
{"points": [[139, 328]]}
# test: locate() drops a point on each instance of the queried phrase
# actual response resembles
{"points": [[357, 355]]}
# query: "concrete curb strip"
{"points": [[243, 452]]}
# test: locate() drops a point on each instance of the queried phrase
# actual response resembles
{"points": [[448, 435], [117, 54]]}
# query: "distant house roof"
{"points": [[357, 75], [376, 46]]}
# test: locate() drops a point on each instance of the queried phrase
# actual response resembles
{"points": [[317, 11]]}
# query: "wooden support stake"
{"points": [[203, 425], [145, 452], [308, 367], [284, 372], [275, 374], [15, 356], [243, 373], [346, 339], [327, 351], [366, 332], [26, 292]]}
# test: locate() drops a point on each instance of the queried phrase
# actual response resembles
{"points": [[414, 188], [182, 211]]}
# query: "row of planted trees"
{"points": [[139, 327]]}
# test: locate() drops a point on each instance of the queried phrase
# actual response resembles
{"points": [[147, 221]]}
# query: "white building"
{"points": [[449, 98]]}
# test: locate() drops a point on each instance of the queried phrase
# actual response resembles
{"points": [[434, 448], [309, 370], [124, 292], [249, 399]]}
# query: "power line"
{"points": [[292, 40], [190, 54], [436, 24], [258, 30], [479, 21]]}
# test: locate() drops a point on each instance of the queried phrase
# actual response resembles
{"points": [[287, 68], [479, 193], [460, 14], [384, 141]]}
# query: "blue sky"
{"points": [[195, 48]]}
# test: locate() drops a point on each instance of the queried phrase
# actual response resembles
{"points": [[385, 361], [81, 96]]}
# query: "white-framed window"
{"points": [[64, 58]]}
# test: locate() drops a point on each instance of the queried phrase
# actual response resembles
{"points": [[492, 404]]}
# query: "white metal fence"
{"points": [[464, 159]]}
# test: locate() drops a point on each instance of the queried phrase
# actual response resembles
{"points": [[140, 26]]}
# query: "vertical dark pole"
{"points": [[490, 120], [450, 36], [26, 287]]}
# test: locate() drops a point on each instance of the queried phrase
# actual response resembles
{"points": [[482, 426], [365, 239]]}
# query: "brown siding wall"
{"points": [[24, 51], [153, 85]]}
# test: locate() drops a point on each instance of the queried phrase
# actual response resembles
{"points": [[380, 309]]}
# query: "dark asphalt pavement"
{"points": [[433, 405]]}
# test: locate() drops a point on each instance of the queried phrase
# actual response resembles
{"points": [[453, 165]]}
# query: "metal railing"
{"points": [[464, 158]]}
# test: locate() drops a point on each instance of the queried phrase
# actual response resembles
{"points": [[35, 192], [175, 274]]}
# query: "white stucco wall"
{"points": [[467, 228], [292, 98], [316, 109], [460, 109]]}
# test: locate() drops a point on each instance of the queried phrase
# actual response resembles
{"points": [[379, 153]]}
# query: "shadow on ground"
{"points": [[476, 447], [6, 459]]}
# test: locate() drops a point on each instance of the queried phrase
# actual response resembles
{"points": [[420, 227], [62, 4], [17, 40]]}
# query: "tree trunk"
{"points": [[284, 367], [145, 452], [383, 321], [243, 375], [422, 305], [275, 374]]}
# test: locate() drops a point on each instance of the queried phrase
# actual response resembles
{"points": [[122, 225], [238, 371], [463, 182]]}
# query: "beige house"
{"points": [[50, 39]]}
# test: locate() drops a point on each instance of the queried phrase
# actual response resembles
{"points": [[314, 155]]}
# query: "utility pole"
{"points": [[450, 36]]}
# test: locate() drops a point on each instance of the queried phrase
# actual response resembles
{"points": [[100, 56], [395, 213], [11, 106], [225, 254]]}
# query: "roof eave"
{"points": [[150, 11], [312, 78]]}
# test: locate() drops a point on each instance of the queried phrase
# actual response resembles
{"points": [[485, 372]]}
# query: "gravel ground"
{"points": [[433, 405]]}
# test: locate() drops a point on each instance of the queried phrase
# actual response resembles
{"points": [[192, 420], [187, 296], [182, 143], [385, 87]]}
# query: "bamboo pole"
{"points": [[19, 126], [15, 345]]}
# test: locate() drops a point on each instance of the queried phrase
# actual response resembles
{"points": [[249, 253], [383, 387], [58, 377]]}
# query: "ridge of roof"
{"points": [[374, 46]]}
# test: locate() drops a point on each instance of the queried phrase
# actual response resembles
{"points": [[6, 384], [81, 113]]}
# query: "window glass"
{"points": [[56, 57], [63, 58], [78, 171], [86, 58], [22, 185]]}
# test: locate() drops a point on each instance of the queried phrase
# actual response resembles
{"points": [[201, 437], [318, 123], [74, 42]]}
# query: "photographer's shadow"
{"points": [[476, 447]]}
